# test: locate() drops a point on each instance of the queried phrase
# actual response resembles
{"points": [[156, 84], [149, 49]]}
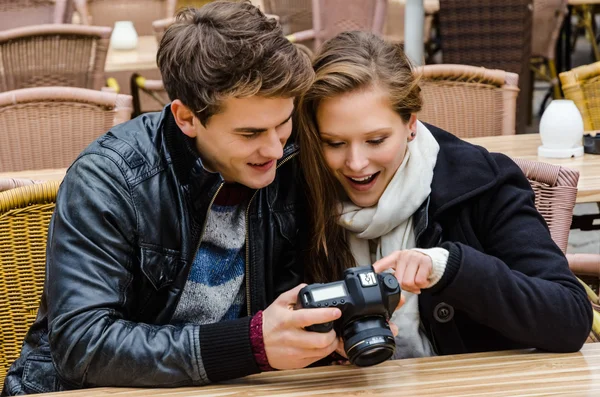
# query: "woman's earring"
{"points": [[412, 136]]}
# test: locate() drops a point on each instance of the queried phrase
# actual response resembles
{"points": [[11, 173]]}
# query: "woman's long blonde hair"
{"points": [[346, 63]]}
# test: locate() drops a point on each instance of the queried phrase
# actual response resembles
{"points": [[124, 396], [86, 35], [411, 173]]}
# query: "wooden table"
{"points": [[510, 373], [525, 146], [39, 175], [143, 57]]}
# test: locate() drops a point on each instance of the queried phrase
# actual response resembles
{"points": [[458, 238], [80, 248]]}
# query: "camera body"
{"points": [[367, 301]]}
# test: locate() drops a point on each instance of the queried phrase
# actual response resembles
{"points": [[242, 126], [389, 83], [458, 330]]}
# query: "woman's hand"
{"points": [[287, 344], [411, 268]]}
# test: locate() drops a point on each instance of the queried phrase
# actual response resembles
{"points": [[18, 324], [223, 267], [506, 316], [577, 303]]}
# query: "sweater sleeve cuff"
{"points": [[258, 344], [439, 259], [452, 267], [226, 350]]}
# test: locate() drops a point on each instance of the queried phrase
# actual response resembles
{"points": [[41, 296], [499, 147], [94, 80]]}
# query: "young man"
{"points": [[174, 230]]}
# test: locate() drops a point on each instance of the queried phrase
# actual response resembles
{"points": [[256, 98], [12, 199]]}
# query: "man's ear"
{"points": [[184, 118]]}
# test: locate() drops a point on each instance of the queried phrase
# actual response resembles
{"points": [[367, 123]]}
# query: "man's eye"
{"points": [[250, 136]]}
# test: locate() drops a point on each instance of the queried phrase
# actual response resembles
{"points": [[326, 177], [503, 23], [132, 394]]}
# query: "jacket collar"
{"points": [[462, 171]]}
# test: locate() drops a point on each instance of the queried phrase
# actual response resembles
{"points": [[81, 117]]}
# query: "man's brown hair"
{"points": [[229, 49]]}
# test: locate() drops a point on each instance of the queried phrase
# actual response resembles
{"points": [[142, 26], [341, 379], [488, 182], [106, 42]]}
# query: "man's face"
{"points": [[244, 141]]}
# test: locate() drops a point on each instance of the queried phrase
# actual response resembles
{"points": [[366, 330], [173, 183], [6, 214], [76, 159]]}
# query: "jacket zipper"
{"points": [[248, 302], [206, 219]]}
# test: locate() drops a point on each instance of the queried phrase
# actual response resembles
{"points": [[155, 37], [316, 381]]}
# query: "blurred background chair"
{"points": [[493, 34], [394, 25], [141, 12], [548, 18], [53, 55], [330, 17], [160, 26], [469, 101], [12, 183], [55, 124], [25, 214], [17, 13], [582, 86], [555, 189], [147, 94], [294, 15]]}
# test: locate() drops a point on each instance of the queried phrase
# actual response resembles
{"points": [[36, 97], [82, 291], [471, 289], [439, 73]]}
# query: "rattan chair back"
{"points": [[25, 214], [141, 12], [294, 15], [548, 17], [331, 17], [582, 86], [493, 34], [17, 13], [468, 101], [555, 190], [53, 55], [47, 127]]}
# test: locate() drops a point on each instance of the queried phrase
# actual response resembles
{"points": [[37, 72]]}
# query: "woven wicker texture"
{"points": [[47, 127], [17, 13], [141, 12], [468, 101], [555, 190], [582, 86], [493, 34], [548, 17], [331, 17], [53, 55], [25, 214]]}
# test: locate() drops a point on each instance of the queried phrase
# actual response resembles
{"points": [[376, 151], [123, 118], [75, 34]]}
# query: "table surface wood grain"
{"points": [[509, 373], [525, 147]]}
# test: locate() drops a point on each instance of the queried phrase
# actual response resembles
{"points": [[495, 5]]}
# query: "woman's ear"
{"points": [[184, 118], [412, 122]]}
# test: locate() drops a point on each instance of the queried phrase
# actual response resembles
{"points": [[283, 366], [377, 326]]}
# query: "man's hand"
{"points": [[287, 344], [411, 268]]}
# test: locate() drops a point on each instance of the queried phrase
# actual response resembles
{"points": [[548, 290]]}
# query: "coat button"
{"points": [[443, 312]]}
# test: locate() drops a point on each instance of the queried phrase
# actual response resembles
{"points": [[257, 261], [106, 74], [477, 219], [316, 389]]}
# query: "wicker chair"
{"points": [[555, 190], [331, 17], [294, 15], [160, 26], [17, 13], [548, 18], [469, 101], [582, 85], [141, 12], [25, 214], [53, 55], [148, 95], [54, 124], [493, 34]]}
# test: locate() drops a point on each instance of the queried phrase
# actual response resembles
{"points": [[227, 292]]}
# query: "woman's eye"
{"points": [[334, 144], [376, 141]]}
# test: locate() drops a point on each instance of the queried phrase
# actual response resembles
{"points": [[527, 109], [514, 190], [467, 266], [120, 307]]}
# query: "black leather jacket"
{"points": [[128, 222]]}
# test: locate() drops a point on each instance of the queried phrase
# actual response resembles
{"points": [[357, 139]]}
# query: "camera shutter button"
{"points": [[390, 282]]}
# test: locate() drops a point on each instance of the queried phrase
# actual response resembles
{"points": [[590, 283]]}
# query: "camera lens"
{"points": [[368, 341]]}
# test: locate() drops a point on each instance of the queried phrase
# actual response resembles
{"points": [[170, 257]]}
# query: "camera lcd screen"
{"points": [[330, 292]]}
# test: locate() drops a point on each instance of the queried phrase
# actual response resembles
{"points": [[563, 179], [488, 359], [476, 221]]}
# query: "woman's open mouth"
{"points": [[362, 183]]}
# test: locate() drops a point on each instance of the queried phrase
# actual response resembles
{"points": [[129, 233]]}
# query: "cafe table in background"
{"points": [[495, 374], [525, 147]]}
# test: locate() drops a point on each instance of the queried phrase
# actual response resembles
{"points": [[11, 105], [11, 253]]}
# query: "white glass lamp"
{"points": [[561, 130], [124, 36]]}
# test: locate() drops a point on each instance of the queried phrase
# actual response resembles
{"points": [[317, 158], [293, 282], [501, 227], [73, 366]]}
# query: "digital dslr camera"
{"points": [[367, 301]]}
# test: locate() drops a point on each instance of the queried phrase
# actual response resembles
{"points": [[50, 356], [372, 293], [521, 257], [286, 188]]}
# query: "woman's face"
{"points": [[364, 142]]}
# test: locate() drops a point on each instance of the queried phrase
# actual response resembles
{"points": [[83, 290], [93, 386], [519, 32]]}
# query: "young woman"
{"points": [[458, 226]]}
